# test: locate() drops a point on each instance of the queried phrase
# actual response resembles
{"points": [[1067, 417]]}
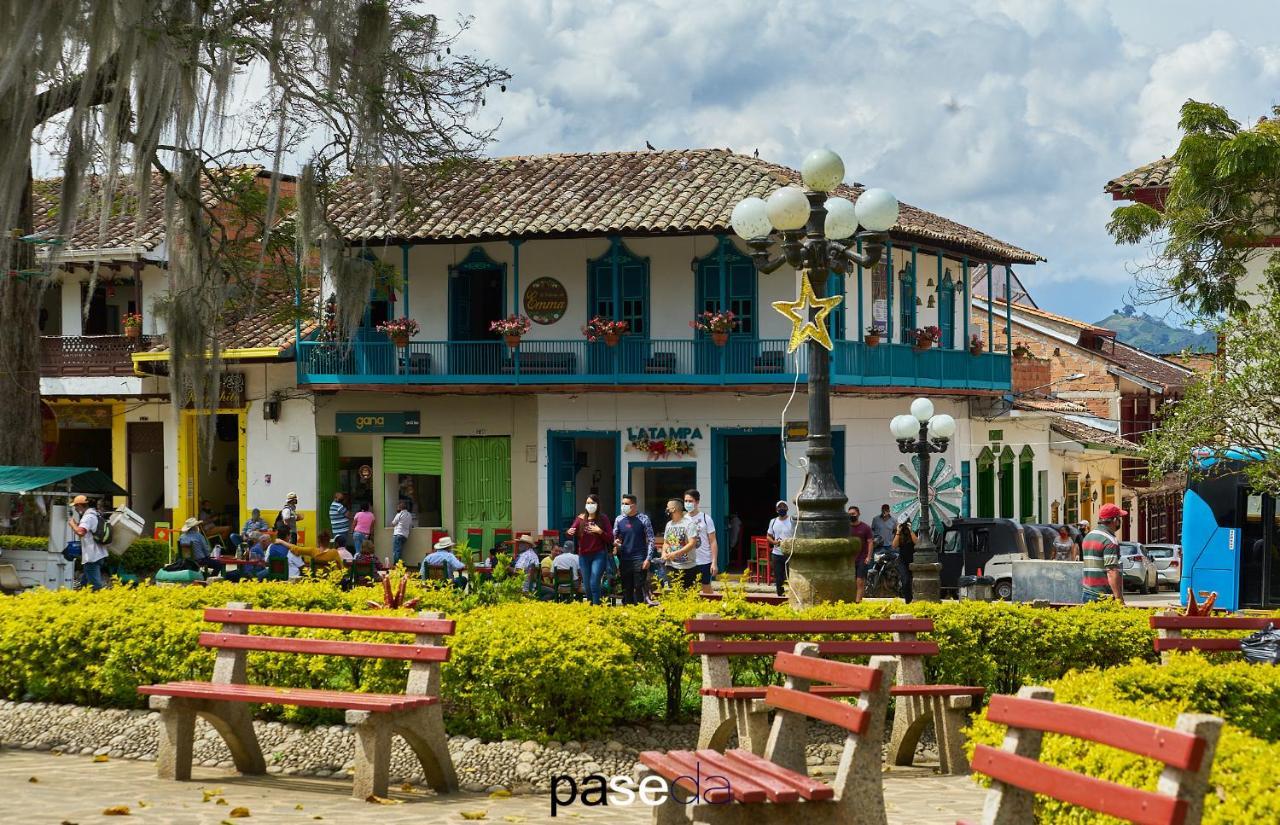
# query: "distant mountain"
{"points": [[1154, 335]]}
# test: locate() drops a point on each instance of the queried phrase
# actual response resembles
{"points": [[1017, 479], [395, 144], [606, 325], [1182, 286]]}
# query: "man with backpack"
{"points": [[286, 526], [94, 534]]}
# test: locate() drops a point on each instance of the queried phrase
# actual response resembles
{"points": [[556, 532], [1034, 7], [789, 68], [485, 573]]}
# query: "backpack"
{"points": [[279, 526], [102, 533]]}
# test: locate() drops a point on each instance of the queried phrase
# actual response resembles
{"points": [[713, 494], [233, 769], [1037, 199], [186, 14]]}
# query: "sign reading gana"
{"points": [[401, 423]]}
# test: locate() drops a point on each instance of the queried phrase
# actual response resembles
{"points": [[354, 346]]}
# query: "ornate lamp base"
{"points": [[925, 577], [821, 570]]}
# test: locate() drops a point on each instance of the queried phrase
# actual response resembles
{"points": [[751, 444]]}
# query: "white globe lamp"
{"points": [[877, 210], [942, 426], [822, 170], [904, 427], [788, 209], [922, 409], [750, 219], [842, 218]]}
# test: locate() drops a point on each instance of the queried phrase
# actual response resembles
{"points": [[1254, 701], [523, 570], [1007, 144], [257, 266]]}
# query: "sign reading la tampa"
{"points": [[662, 442]]}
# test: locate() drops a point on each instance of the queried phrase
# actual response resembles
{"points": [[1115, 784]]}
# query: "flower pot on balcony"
{"points": [[400, 340], [975, 349], [872, 340], [923, 344], [513, 341], [611, 339], [720, 338], [133, 333]]}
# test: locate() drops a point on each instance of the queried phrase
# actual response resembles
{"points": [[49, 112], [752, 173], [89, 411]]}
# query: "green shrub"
{"points": [[12, 542], [1247, 696], [144, 557]]}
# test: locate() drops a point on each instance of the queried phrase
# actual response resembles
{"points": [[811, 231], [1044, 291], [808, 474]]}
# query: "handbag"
{"points": [[72, 551]]}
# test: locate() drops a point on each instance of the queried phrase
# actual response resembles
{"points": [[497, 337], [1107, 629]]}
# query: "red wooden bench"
{"points": [[225, 700], [754, 598], [1169, 631], [777, 786], [1185, 749], [726, 708]]}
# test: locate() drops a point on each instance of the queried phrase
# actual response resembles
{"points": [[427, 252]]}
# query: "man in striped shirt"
{"points": [[339, 520], [1101, 554]]}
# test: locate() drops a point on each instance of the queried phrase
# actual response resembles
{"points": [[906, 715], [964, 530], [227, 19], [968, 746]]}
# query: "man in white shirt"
{"points": [[92, 554], [780, 529], [401, 524], [708, 550]]}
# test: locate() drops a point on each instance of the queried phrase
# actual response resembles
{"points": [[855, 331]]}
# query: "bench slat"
{"points": [[758, 647], [824, 670], [937, 690], [1196, 644], [1212, 622], [680, 772], [1141, 807], [808, 626], [818, 707], [1172, 747], [830, 690], [775, 790], [810, 789], [330, 621], [326, 647], [303, 697]]}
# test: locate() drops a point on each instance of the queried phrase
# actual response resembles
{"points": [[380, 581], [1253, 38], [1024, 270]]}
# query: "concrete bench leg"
{"points": [[911, 715], [716, 724], [752, 721], [950, 714], [670, 812], [373, 753], [424, 730], [232, 721]]}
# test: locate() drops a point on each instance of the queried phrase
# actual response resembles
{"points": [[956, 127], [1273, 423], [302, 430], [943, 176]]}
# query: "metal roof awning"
{"points": [[57, 480]]}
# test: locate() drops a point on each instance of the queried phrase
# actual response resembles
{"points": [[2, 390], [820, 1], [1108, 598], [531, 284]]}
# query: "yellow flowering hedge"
{"points": [[1243, 777]]}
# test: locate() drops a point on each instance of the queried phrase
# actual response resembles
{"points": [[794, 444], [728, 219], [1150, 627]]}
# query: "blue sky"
{"points": [[1007, 115]]}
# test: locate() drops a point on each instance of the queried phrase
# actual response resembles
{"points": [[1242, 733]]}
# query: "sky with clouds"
{"points": [[1007, 115]]}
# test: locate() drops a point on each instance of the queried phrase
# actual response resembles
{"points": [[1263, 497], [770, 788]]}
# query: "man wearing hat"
{"points": [[781, 528], [1101, 554], [527, 562], [289, 518], [442, 555], [92, 554], [193, 544]]}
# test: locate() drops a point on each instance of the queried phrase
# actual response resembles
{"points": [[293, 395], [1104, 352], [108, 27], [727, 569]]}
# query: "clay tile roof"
{"points": [[1052, 316], [1149, 367], [265, 326], [688, 191], [1155, 175], [1086, 434], [122, 230], [1059, 405]]}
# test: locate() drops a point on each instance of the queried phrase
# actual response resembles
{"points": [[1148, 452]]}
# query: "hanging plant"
{"points": [[604, 329], [661, 447]]}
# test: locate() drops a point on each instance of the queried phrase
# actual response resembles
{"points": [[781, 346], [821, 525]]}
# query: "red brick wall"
{"points": [[1032, 373]]}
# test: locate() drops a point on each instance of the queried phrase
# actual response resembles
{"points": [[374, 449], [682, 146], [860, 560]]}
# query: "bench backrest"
{"points": [[436, 572], [1186, 751], [858, 777], [1169, 631], [425, 652]]}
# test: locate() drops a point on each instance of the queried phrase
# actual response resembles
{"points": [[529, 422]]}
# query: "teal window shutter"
{"points": [[726, 280], [412, 456], [947, 312]]}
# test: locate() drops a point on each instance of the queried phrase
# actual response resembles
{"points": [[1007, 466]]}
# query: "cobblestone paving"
{"points": [[72, 789]]}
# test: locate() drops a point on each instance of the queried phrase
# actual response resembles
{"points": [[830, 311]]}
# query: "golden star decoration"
{"points": [[801, 326]]}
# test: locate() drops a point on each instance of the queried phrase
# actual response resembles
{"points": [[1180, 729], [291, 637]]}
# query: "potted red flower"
{"points": [[399, 330], [872, 336], [924, 337], [512, 328], [132, 324], [717, 324], [975, 344], [606, 329]]}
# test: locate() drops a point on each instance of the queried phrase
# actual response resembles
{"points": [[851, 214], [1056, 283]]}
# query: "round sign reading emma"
{"points": [[545, 301]]}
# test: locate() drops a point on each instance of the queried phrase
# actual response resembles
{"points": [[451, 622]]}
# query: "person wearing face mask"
{"points": [[708, 551], [780, 529], [633, 537], [679, 543], [593, 533]]}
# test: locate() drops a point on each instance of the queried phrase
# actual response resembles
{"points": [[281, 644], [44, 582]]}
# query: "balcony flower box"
{"points": [[922, 338], [605, 329], [132, 324], [512, 329], [716, 324], [872, 336], [399, 330]]}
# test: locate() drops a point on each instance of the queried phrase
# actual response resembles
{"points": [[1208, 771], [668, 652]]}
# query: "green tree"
{"points": [[1224, 198], [179, 94]]}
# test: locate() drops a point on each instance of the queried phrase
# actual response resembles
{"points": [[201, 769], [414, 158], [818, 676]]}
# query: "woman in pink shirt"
{"points": [[593, 532], [363, 527]]}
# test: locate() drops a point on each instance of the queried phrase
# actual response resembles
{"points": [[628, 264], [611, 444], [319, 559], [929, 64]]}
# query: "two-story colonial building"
{"points": [[478, 435]]}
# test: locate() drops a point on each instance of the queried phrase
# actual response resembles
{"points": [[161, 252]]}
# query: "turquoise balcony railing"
{"points": [[641, 361]]}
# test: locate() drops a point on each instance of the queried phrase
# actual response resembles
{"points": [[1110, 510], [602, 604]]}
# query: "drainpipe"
{"points": [[515, 272], [404, 276]]}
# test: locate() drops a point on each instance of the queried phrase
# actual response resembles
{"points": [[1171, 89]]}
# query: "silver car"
{"points": [[1168, 559], [1137, 568]]}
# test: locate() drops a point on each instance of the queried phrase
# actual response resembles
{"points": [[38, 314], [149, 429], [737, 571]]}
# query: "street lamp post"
{"points": [[816, 235], [923, 433]]}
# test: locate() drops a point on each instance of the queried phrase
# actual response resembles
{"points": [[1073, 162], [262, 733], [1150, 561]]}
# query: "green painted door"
{"points": [[327, 476], [481, 485]]}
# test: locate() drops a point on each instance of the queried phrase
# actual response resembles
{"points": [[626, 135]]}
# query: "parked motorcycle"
{"points": [[882, 577]]}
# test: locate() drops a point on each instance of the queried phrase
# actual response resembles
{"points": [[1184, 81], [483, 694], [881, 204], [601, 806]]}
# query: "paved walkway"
{"points": [[73, 789]]}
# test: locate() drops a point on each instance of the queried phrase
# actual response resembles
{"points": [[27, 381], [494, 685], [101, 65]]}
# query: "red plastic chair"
{"points": [[762, 570], [502, 535], [475, 538], [436, 535]]}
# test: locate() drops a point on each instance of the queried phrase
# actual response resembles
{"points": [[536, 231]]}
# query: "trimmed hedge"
{"points": [[1246, 696], [12, 542], [143, 558]]}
